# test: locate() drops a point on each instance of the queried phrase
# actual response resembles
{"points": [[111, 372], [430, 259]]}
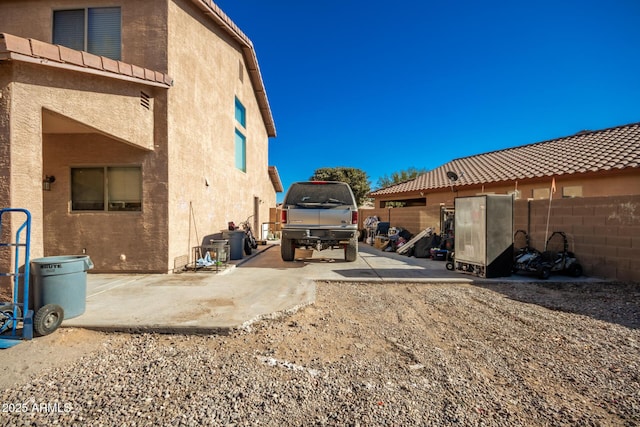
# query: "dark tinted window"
{"points": [[319, 195]]}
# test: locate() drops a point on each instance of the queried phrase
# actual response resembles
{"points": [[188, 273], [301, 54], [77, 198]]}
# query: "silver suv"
{"points": [[319, 215]]}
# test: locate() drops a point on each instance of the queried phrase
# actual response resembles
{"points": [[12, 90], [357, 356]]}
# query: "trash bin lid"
{"points": [[233, 234], [64, 264]]}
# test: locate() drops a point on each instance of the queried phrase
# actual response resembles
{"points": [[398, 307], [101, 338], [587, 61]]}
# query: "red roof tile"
{"points": [[44, 50], [587, 151], [15, 44], [71, 56], [110, 65]]}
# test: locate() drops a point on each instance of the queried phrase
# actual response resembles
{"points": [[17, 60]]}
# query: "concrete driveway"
{"points": [[254, 288]]}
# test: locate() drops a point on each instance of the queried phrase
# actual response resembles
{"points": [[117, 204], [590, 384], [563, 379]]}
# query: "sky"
{"points": [[384, 86]]}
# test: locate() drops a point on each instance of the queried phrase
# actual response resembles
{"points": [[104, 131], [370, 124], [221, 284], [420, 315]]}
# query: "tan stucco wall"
{"points": [[117, 113], [6, 75], [184, 142], [205, 68], [105, 236], [144, 30]]}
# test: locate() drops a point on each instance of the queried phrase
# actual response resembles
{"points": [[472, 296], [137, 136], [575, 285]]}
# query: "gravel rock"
{"points": [[364, 355]]}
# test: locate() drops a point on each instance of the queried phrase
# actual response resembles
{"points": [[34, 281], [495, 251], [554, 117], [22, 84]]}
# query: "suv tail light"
{"points": [[354, 217], [283, 217]]}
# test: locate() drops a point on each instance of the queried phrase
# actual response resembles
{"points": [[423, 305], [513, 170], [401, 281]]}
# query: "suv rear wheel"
{"points": [[351, 250]]}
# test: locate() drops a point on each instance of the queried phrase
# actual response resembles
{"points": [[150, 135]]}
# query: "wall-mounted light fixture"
{"points": [[47, 181]]}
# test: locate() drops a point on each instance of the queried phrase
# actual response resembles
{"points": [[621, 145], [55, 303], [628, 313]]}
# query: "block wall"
{"points": [[603, 232]]}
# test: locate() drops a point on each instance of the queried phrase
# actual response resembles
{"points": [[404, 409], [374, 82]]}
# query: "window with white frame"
{"points": [[96, 30], [108, 188]]}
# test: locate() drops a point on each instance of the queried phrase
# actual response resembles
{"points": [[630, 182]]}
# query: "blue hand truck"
{"points": [[17, 320]]}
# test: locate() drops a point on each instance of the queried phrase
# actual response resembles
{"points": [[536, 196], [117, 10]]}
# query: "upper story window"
{"points": [[95, 30], [240, 140], [241, 113]]}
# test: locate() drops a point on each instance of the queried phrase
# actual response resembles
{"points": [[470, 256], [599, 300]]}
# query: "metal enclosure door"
{"points": [[499, 226], [470, 229], [484, 235]]}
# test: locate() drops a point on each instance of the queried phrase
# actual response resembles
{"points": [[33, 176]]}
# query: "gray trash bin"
{"points": [[61, 280], [236, 242]]}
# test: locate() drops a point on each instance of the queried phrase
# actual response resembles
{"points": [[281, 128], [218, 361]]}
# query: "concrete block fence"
{"points": [[603, 232]]}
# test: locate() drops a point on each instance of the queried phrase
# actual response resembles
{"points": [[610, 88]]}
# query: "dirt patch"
{"points": [[367, 354], [533, 354]]}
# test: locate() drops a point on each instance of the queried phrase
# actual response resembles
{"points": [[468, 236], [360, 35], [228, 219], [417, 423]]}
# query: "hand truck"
{"points": [[17, 312]]}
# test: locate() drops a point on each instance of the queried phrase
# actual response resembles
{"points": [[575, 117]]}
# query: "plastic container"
{"points": [[61, 280], [236, 242], [221, 249]]}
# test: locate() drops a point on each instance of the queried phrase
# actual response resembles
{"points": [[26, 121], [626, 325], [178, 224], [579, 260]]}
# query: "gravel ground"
{"points": [[367, 354]]}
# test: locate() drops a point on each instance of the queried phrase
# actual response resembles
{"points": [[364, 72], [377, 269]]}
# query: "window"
{"points": [[241, 113], [541, 193], [96, 30], [241, 151], [106, 189], [572, 191]]}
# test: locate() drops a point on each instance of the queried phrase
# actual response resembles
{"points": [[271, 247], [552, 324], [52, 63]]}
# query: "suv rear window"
{"points": [[326, 195]]}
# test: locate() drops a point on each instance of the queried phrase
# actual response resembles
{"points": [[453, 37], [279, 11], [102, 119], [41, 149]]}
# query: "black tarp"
{"points": [[422, 248]]}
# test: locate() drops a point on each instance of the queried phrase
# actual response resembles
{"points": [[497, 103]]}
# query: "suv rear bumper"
{"points": [[321, 235]]}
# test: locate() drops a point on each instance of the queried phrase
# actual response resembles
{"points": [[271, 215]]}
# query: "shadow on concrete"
{"points": [[611, 302], [388, 274], [258, 259]]}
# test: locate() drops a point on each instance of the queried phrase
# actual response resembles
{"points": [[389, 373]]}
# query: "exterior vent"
{"points": [[241, 71], [144, 100]]}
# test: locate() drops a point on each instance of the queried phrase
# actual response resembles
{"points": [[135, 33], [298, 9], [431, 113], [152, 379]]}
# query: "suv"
{"points": [[319, 215]]}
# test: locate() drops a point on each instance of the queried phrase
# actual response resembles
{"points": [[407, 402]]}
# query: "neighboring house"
{"points": [[596, 176], [131, 129], [588, 164]]}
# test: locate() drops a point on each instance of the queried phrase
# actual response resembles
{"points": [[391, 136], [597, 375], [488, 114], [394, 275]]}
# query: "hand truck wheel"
{"points": [[48, 319]]}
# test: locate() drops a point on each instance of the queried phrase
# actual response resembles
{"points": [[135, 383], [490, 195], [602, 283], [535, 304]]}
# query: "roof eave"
{"points": [[212, 10], [14, 48], [274, 176], [42, 61]]}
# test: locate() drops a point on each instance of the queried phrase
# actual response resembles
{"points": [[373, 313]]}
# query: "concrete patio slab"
{"points": [[254, 288]]}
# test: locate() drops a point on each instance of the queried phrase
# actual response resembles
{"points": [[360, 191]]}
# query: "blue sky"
{"points": [[385, 86]]}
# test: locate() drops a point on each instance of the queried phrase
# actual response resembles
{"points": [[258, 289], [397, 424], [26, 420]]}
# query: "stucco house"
{"points": [[131, 129], [588, 164]]}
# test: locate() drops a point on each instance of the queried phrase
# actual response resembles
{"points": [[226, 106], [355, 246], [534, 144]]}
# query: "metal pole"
{"points": [[551, 191]]}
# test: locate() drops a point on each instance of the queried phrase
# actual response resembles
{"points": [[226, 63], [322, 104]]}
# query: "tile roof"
{"points": [[35, 51], [586, 151], [274, 176], [216, 14]]}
